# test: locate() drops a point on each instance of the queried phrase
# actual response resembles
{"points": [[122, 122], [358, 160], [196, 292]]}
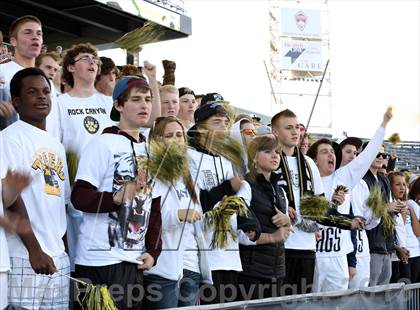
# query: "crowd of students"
{"points": [[80, 201]]}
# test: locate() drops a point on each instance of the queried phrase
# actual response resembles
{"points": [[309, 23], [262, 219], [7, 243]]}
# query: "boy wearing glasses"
{"points": [[121, 222], [84, 113]]}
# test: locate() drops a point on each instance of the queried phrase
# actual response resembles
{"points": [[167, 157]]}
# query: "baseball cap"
{"points": [[211, 97], [185, 91], [263, 130], [206, 111], [357, 142], [122, 85]]}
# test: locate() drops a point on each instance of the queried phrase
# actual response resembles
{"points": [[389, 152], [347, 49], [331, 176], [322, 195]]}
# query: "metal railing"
{"points": [[398, 296], [412, 296]]}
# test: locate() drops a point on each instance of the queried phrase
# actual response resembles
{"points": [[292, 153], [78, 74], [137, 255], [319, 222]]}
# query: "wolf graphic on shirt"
{"points": [[127, 227]]}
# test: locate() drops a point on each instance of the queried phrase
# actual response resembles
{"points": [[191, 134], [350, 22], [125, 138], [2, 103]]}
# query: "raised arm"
{"points": [[150, 71], [352, 173]]}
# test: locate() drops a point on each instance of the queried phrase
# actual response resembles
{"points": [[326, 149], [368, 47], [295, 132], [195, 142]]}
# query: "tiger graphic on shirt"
{"points": [[127, 227], [51, 166]]}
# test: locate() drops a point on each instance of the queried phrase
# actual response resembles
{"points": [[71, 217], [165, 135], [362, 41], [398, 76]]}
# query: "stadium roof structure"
{"points": [[100, 22]]}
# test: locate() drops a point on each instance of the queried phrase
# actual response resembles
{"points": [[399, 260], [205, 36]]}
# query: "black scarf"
{"points": [[306, 185]]}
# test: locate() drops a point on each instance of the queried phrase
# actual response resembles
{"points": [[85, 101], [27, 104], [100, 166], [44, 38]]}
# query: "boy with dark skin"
{"points": [[28, 146]]}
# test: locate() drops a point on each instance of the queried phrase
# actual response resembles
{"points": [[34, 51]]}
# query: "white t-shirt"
{"points": [[335, 241], [4, 253], [53, 119], [401, 235], [359, 195], [110, 238], [9, 69], [412, 242], [174, 233], [301, 240], [35, 151], [208, 172], [82, 118]]}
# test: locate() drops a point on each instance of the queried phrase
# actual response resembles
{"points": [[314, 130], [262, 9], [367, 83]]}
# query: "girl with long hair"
{"points": [[174, 280], [409, 265], [264, 262]]}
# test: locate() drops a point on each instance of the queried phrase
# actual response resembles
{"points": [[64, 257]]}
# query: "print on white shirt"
{"points": [[51, 166], [127, 227]]}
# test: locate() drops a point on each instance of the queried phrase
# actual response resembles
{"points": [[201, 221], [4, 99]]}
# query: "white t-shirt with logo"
{"points": [[208, 172], [4, 252], [110, 238], [176, 236], [81, 119], [35, 151], [301, 240], [335, 241]]}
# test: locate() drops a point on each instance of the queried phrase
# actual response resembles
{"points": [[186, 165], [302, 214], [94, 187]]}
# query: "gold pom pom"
{"points": [[168, 163], [219, 219], [314, 207], [394, 138]]}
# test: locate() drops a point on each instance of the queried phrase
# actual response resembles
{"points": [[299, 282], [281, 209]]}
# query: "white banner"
{"points": [[301, 55], [301, 23]]}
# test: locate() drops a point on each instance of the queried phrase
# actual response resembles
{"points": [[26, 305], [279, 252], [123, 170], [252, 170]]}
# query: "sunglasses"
{"points": [[383, 155], [249, 132]]}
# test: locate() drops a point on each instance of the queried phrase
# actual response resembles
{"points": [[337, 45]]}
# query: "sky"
{"points": [[374, 61]]}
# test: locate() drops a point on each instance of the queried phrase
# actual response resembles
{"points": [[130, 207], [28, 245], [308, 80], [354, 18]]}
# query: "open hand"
{"points": [[13, 184]]}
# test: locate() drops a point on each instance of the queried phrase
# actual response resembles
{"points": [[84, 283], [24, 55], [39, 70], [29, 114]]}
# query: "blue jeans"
{"points": [[161, 293], [188, 289]]}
